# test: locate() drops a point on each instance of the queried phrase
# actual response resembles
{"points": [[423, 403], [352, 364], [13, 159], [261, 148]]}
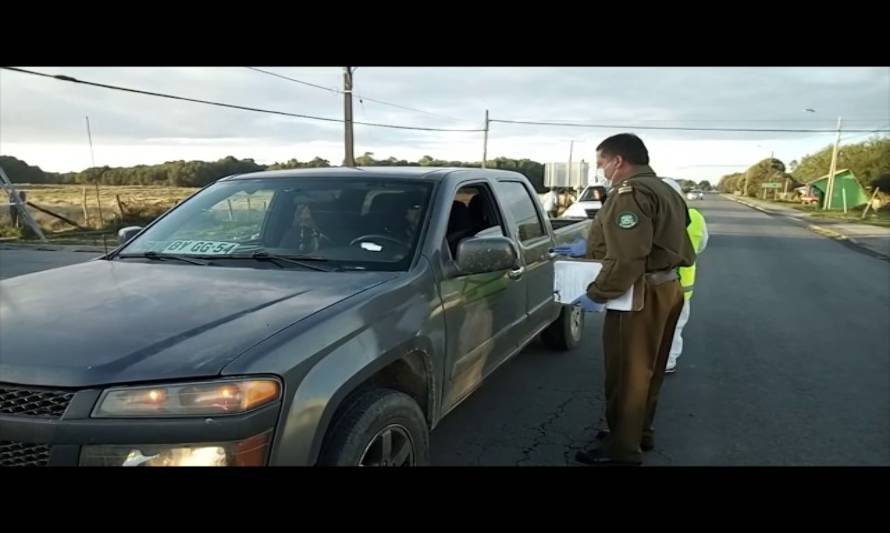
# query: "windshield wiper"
{"points": [[299, 260], [163, 257]]}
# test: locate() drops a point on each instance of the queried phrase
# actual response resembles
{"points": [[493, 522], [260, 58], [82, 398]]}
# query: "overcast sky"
{"points": [[42, 119]]}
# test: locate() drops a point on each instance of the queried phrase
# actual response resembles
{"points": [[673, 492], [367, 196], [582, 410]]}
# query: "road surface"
{"points": [[786, 362]]}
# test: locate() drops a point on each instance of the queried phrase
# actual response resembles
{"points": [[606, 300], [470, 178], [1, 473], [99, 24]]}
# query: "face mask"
{"points": [[601, 173]]}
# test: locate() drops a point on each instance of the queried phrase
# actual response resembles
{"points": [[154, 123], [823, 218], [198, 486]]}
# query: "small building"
{"points": [[845, 183], [557, 177]]}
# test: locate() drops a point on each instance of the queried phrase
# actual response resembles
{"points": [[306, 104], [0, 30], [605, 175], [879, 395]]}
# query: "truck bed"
{"points": [[567, 230]]}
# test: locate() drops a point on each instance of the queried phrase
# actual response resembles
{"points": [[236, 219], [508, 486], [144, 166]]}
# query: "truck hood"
{"points": [[579, 208], [105, 322]]}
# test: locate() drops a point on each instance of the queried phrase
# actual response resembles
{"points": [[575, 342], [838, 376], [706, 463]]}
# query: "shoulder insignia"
{"points": [[627, 220]]}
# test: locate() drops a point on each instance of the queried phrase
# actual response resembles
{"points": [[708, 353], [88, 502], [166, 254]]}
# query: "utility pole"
{"points": [[347, 115], [829, 188], [16, 201], [93, 159], [485, 140]]}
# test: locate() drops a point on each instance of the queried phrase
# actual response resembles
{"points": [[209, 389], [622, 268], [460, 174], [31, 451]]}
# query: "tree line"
{"points": [[869, 160], [200, 173]]}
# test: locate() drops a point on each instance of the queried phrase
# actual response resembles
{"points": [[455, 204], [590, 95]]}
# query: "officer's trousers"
{"points": [[636, 346]]}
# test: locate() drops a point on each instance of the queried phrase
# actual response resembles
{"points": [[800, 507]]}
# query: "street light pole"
{"points": [[569, 171], [93, 160], [485, 140], [569, 168]]}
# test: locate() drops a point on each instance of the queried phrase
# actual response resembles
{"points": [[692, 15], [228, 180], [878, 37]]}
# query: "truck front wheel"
{"points": [[566, 331], [380, 427]]}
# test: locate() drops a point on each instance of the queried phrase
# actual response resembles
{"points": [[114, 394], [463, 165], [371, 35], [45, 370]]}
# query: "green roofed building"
{"points": [[845, 183]]}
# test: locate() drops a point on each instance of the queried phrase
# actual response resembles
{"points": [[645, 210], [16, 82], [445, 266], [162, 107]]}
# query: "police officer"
{"points": [[640, 237]]}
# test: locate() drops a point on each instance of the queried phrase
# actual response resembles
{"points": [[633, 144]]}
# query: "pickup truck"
{"points": [[590, 201], [297, 317]]}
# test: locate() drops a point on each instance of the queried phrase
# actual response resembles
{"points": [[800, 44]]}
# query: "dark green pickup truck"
{"points": [[299, 317]]}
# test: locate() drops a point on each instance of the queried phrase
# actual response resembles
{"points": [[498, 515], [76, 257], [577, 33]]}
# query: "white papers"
{"points": [[571, 279], [623, 302]]}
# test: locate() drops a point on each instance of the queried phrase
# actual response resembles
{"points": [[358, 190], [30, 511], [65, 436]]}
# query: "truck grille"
{"points": [[591, 212], [23, 401], [13, 453]]}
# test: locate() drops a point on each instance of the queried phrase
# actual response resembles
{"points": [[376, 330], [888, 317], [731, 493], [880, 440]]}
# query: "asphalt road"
{"points": [[786, 362], [15, 261]]}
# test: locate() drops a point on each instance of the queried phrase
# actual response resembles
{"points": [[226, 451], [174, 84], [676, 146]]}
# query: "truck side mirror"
{"points": [[479, 255], [125, 234]]}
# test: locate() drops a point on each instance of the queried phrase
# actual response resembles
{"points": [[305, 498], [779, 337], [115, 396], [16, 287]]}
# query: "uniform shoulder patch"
{"points": [[624, 189], [627, 220]]}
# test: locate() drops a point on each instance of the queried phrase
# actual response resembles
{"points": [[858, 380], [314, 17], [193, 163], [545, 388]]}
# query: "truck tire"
{"points": [[379, 427], [566, 331]]}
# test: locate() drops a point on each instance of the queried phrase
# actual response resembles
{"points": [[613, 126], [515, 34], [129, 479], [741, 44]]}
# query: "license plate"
{"points": [[200, 247]]}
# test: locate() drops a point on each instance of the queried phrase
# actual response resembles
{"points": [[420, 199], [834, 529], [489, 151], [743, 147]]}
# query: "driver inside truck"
{"points": [[304, 235], [412, 217]]}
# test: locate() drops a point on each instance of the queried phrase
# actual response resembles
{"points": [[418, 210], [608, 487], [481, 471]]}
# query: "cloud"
{"points": [[43, 119]]}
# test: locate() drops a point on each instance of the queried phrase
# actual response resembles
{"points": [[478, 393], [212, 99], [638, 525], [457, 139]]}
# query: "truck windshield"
{"points": [[371, 224], [593, 194]]}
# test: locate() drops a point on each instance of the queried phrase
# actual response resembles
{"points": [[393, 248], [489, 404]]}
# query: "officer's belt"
{"points": [[661, 276]]}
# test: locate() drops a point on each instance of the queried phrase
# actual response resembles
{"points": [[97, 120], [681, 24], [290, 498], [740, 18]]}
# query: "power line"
{"points": [[356, 95], [792, 120], [716, 166], [670, 128], [230, 106], [329, 89], [848, 137], [361, 97], [368, 136]]}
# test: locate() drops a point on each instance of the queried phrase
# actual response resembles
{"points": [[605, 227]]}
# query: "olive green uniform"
{"points": [[640, 237]]}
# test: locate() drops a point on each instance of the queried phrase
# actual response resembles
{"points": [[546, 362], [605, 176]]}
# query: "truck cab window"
{"points": [[521, 210], [472, 214]]}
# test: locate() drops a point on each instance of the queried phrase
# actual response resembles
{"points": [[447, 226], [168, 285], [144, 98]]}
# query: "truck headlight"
{"points": [[248, 452], [210, 398]]}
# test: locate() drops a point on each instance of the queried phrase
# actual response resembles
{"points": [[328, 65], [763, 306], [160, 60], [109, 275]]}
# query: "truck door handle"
{"points": [[516, 274]]}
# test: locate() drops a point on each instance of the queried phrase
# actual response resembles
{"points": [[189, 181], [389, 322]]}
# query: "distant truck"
{"points": [[590, 201]]}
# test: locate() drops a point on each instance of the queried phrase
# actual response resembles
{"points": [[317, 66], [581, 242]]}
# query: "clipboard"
{"points": [[632, 300], [572, 277]]}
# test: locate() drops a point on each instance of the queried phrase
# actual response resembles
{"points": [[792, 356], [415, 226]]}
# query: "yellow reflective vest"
{"points": [[698, 234]]}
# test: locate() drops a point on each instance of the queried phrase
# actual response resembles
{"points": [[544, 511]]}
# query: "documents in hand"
{"points": [[571, 278]]}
